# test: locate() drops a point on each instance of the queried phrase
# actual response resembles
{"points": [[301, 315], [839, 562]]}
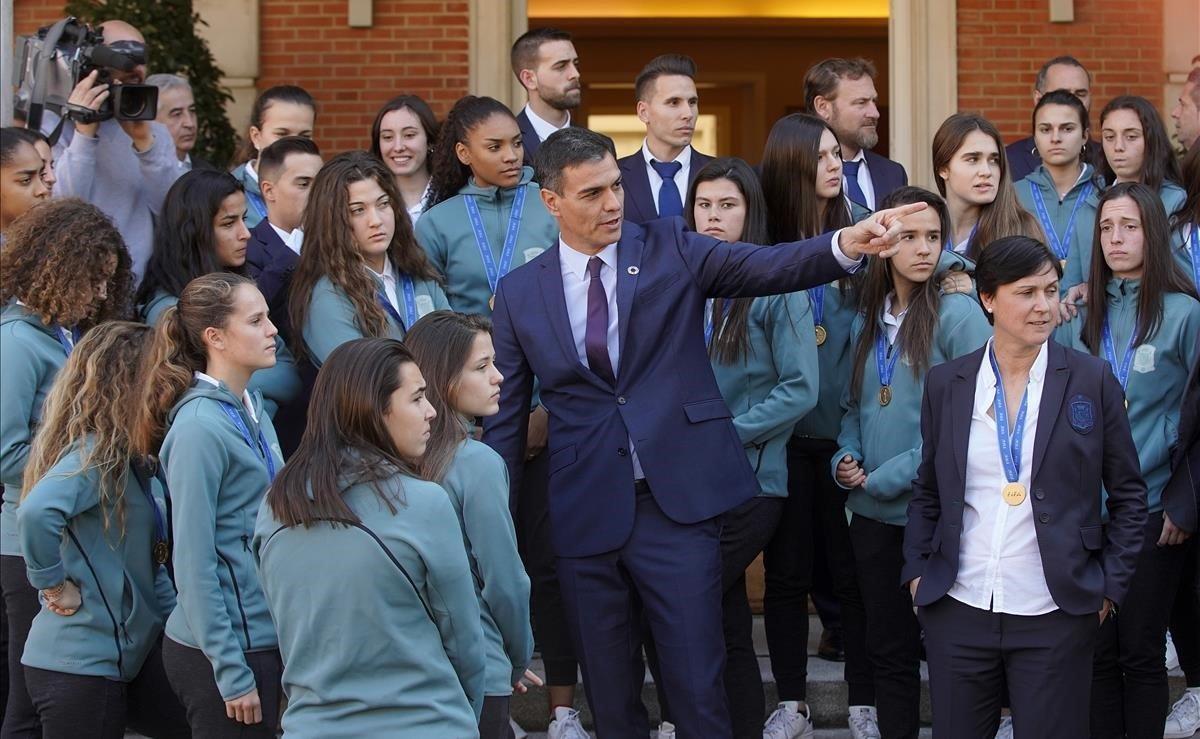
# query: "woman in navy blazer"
{"points": [[1009, 560]]}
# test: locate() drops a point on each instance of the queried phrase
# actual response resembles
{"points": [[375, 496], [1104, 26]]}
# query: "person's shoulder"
{"points": [[433, 216], [965, 366], [632, 160], [957, 306], [1075, 360], [481, 457], [1181, 304], [882, 161]]}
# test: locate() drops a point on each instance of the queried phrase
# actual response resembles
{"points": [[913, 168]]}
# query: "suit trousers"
{"points": [[21, 605], [1185, 618], [1046, 661], [670, 573]]}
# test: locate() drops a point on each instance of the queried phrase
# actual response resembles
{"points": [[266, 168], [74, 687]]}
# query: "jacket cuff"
{"points": [[46, 577]]}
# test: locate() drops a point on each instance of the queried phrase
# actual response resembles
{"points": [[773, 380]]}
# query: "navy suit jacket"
{"points": [[886, 176], [1083, 440], [1181, 497], [529, 137], [666, 398], [640, 206], [270, 263], [1023, 157]]}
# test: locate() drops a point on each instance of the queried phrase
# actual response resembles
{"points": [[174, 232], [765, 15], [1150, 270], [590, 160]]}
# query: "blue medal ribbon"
{"points": [[1010, 443], [1063, 247], [494, 271], [410, 303], [1106, 342], [886, 365], [257, 203], [160, 524], [236, 417], [816, 298], [710, 323], [66, 339], [1194, 255]]}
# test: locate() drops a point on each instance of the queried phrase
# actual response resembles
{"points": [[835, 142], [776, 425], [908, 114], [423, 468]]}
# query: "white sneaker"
{"points": [[1005, 730], [1172, 656], [1184, 719], [518, 732], [565, 725], [864, 722], [666, 730], [786, 722]]}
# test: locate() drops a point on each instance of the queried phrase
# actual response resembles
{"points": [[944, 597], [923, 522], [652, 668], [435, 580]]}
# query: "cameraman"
{"points": [[122, 167]]}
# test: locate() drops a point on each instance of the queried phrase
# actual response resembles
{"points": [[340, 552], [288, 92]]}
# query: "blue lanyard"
{"points": [[494, 272], [257, 203], [1010, 444], [160, 526], [67, 344], [1061, 248], [236, 417], [1106, 342], [966, 244], [1194, 255], [816, 298], [887, 367], [710, 324], [410, 303]]}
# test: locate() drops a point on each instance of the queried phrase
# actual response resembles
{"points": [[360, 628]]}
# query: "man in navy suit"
{"points": [[842, 92], [1060, 73], [656, 179], [643, 454], [546, 65]]}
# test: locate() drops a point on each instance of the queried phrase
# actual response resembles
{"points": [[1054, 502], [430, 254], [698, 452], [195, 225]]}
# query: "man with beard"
{"points": [[546, 65], [842, 92]]}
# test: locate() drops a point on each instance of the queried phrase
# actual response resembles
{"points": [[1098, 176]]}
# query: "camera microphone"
{"points": [[104, 56]]}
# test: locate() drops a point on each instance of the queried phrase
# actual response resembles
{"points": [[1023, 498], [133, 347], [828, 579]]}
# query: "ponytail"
{"points": [[449, 173]]}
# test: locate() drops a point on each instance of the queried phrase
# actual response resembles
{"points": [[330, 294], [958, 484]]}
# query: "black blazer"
{"points": [[1083, 430], [1181, 497], [529, 137], [270, 263], [886, 176], [639, 200]]}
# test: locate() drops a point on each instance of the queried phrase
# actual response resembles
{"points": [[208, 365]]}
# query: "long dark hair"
{"points": [[789, 181], [278, 94], [450, 174], [916, 334], [1160, 272], [1189, 211], [1158, 159], [330, 250], [345, 414], [424, 115], [184, 239], [1004, 216], [441, 344], [730, 341]]}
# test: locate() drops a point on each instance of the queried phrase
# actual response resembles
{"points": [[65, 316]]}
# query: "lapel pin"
{"points": [[633, 270]]}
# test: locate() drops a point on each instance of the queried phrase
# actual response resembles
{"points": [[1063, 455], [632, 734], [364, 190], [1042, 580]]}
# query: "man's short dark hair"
{"points": [[569, 147], [1193, 79], [272, 159], [528, 45], [822, 79], [1039, 83], [662, 66]]}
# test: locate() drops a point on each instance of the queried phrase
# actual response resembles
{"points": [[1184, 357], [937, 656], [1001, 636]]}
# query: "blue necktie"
{"points": [[854, 190], [669, 202], [595, 336]]}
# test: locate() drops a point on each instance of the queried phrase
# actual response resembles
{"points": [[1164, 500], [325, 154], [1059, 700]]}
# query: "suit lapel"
{"points": [[962, 408], [698, 162], [1054, 392], [529, 136], [551, 282], [629, 261], [637, 184]]}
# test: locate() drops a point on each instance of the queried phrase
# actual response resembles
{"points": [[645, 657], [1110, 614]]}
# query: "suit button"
{"points": [[620, 400], [1044, 518], [1039, 494], [621, 452]]}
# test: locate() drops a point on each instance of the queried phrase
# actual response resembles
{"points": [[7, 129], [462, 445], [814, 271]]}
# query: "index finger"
{"points": [[902, 210], [532, 677]]}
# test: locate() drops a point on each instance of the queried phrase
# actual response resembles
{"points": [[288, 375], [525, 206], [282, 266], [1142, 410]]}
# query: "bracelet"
{"points": [[51, 594]]}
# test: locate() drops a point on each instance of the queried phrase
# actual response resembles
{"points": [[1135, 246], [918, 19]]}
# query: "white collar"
{"points": [[887, 316], [291, 239], [541, 126], [860, 157], [576, 262], [247, 400], [986, 382], [388, 273], [251, 171], [684, 158]]}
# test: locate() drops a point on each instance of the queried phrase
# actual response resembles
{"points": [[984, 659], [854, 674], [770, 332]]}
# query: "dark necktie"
{"points": [[853, 189], [669, 201], [595, 337]]}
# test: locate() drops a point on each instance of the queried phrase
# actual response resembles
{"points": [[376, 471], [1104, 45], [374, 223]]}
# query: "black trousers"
{"points": [[1185, 618], [813, 523], [20, 606], [493, 722], [549, 617], [88, 707], [1046, 661], [893, 634], [191, 677], [1130, 694]]}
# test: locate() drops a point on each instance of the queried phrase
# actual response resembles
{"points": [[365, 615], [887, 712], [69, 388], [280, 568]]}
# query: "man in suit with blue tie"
{"points": [[546, 65], [643, 454], [656, 177], [842, 92]]}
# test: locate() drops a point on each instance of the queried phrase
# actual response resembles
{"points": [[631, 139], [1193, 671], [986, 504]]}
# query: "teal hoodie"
{"points": [[278, 384], [253, 216], [1185, 245], [1080, 261], [774, 385], [126, 594], [364, 655], [1060, 211], [886, 440], [1158, 373], [216, 481], [332, 319], [446, 234], [477, 483], [30, 358]]}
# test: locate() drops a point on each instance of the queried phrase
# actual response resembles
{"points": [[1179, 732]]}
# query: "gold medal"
{"points": [[492, 303], [1013, 493], [821, 334], [1062, 262], [161, 552], [885, 395]]}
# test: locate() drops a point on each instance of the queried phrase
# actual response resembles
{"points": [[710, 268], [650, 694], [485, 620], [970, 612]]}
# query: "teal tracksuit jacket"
{"points": [[1060, 212]]}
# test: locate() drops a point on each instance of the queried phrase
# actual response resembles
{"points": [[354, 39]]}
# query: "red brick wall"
{"points": [[1002, 43], [30, 15]]}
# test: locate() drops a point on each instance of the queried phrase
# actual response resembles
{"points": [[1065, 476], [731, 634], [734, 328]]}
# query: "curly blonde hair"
{"points": [[55, 258], [91, 406]]}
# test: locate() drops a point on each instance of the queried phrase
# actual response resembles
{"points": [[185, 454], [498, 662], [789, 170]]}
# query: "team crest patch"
{"points": [[1143, 359], [532, 254], [424, 305], [1083, 414]]}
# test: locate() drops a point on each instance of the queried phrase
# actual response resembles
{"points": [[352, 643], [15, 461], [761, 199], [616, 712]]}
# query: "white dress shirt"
{"points": [[864, 179], [246, 399], [251, 171], [891, 324], [415, 211], [389, 284], [542, 127], [293, 240], [186, 163], [681, 177], [1000, 563]]}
